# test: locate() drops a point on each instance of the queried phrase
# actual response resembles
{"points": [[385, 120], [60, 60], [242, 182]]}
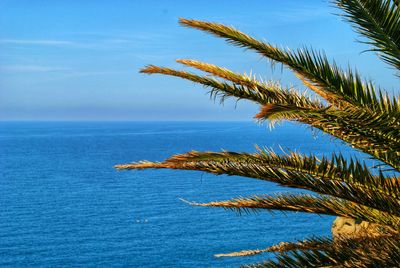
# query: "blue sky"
{"points": [[79, 60]]}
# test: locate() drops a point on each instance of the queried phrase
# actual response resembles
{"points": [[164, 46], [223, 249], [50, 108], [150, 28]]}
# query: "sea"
{"points": [[62, 204]]}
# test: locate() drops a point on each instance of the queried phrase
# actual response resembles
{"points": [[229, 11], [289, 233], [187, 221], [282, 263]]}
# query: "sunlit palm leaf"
{"points": [[377, 135], [372, 132], [261, 93], [308, 204], [307, 244], [336, 178], [338, 87]]}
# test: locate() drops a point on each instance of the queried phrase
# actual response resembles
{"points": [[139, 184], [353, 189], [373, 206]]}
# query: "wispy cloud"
{"points": [[51, 43], [88, 42], [31, 68], [76, 74], [37, 42], [125, 36]]}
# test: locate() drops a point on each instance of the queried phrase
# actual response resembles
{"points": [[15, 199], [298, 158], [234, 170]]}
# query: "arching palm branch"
{"points": [[348, 108]]}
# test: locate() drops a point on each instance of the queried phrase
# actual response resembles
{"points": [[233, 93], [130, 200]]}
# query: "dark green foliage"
{"points": [[379, 22]]}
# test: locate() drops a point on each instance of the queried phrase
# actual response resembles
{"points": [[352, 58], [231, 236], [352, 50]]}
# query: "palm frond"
{"points": [[241, 87], [299, 259], [309, 204], [307, 244], [350, 180], [314, 243], [355, 111], [363, 252], [224, 73], [379, 22], [219, 88], [338, 87], [374, 133]]}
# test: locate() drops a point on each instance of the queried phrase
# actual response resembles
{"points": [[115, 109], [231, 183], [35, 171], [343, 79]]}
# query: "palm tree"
{"points": [[347, 107]]}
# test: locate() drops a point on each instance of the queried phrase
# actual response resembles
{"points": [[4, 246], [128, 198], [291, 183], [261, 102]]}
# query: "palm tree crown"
{"points": [[348, 107]]}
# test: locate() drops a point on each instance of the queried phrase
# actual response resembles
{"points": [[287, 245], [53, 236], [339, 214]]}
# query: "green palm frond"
{"points": [[337, 168], [373, 132], [338, 87], [377, 134], [336, 178], [379, 22], [308, 204]]}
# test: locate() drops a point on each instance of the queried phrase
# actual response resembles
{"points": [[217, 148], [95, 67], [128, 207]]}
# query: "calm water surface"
{"points": [[63, 204]]}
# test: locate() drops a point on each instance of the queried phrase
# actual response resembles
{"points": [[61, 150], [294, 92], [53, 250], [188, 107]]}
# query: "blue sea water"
{"points": [[62, 204]]}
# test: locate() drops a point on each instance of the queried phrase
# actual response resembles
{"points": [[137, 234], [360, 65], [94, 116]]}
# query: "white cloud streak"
{"points": [[89, 43], [37, 42], [31, 68]]}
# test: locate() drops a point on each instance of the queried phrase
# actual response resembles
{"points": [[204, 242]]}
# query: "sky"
{"points": [[80, 60]]}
